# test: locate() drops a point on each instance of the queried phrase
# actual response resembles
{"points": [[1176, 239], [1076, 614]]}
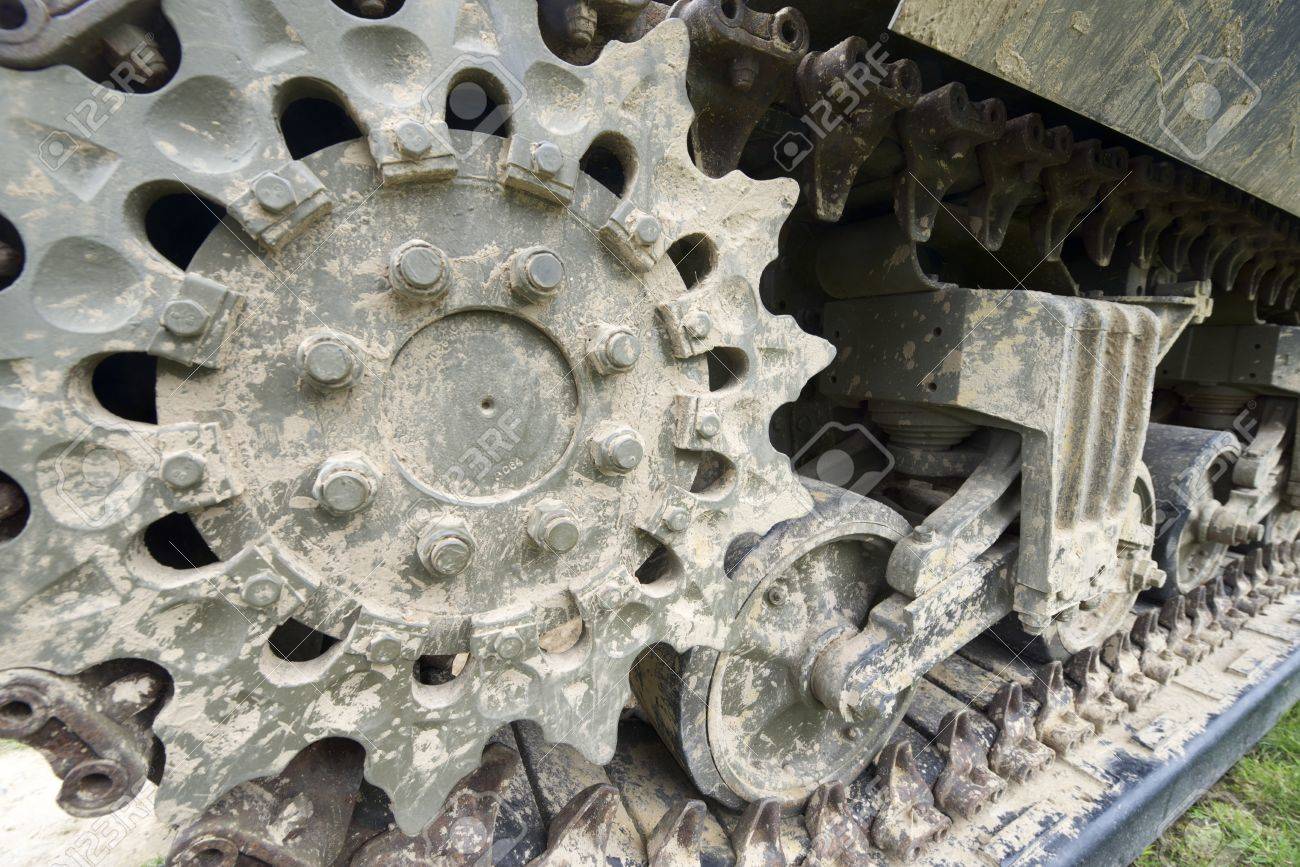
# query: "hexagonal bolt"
{"points": [[345, 484], [419, 270], [614, 349], [446, 548], [536, 274], [553, 527], [776, 594], [610, 596], [617, 451], [183, 470], [508, 645], [185, 318], [708, 424], [548, 159], [329, 361], [677, 519], [647, 231], [413, 138], [262, 590], [384, 649], [697, 324], [274, 193]]}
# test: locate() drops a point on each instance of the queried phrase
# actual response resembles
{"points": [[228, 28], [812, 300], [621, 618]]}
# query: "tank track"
{"points": [[906, 183], [985, 726]]}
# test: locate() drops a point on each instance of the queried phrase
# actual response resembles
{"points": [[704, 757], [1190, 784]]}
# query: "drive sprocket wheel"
{"points": [[437, 395]]}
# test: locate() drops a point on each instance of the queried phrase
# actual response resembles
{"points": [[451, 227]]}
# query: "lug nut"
{"points": [[614, 350], [345, 484], [184, 318], [536, 274], [329, 361], [273, 192], [413, 138], [261, 590], [183, 470], [553, 527], [617, 451], [418, 269], [697, 324], [548, 159], [446, 548]]}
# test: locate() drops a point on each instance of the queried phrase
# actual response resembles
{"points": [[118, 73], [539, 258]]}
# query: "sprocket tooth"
{"points": [[757, 836], [1017, 754], [1093, 697], [908, 821], [839, 839], [417, 794], [462, 835], [966, 783], [1057, 722], [580, 832], [675, 840]]}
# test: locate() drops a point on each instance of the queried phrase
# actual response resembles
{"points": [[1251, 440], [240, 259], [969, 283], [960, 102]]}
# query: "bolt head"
{"points": [[677, 519], [610, 596], [554, 528], [536, 274], [418, 269], [185, 318], [708, 424], [328, 362], [262, 590], [345, 485], [548, 159], [273, 192], [776, 594], [619, 451], [183, 470], [413, 138], [647, 231], [614, 350], [384, 649], [446, 548], [508, 645], [697, 324]]}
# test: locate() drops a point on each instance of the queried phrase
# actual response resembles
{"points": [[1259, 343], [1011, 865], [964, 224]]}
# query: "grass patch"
{"points": [[1251, 816]]}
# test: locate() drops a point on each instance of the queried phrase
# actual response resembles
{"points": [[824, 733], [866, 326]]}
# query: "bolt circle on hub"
{"points": [[329, 361], [446, 548], [537, 274], [345, 485], [617, 450], [553, 527], [419, 270]]}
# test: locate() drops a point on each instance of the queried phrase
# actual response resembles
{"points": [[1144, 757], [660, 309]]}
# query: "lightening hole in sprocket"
{"points": [[695, 257], [176, 543], [15, 509], [125, 384], [313, 117], [12, 254], [435, 670], [660, 567], [295, 641], [611, 162], [372, 9], [12, 15], [727, 366], [714, 476], [178, 223], [477, 102], [562, 638]]}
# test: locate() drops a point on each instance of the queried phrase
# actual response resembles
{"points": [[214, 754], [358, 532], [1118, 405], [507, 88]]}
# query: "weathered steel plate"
{"points": [[1214, 83]]}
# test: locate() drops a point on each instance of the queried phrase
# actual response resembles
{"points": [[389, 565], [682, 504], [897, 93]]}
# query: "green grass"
{"points": [[1251, 816]]}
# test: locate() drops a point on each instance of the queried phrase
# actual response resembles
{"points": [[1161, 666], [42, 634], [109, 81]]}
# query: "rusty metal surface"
{"points": [[1135, 67]]}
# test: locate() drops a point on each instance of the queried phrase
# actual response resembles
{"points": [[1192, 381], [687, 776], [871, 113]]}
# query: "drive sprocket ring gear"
{"points": [[362, 312]]}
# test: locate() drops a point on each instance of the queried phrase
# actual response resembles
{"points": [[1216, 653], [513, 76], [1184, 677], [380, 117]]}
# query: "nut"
{"points": [[536, 274], [708, 424], [446, 548], [329, 361], [548, 159], [776, 594], [345, 484], [508, 645], [262, 590], [183, 470], [384, 649], [617, 451], [614, 350], [413, 138], [697, 324], [647, 231], [677, 519], [185, 318], [418, 269], [553, 527], [273, 192]]}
